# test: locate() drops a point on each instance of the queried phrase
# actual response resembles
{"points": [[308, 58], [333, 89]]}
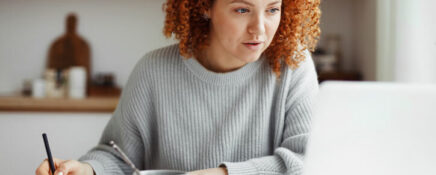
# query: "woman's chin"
{"points": [[251, 58]]}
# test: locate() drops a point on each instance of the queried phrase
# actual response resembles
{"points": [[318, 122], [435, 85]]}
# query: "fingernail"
{"points": [[61, 173]]}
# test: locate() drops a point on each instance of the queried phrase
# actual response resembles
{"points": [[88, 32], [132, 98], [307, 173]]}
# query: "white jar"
{"points": [[77, 82], [38, 88]]}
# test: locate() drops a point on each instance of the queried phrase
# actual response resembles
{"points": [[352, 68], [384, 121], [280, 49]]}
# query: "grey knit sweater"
{"points": [[175, 114]]}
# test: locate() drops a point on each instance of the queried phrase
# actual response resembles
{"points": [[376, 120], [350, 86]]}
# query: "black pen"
{"points": [[50, 158]]}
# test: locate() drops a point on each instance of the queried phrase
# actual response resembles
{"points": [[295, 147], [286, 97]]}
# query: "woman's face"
{"points": [[242, 29]]}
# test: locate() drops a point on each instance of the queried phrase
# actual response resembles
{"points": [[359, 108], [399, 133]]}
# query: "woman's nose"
{"points": [[257, 25]]}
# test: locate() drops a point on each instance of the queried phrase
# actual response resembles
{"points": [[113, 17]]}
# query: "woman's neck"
{"points": [[216, 59]]}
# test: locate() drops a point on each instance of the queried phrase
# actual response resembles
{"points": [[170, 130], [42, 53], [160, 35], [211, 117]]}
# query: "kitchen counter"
{"points": [[91, 104]]}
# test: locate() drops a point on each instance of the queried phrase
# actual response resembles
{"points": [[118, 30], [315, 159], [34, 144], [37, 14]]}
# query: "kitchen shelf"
{"points": [[91, 104]]}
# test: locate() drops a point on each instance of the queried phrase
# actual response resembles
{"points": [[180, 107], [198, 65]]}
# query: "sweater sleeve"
{"points": [[288, 157], [123, 130]]}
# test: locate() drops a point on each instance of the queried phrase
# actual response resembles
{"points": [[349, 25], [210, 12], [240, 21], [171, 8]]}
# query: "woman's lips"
{"points": [[253, 46]]}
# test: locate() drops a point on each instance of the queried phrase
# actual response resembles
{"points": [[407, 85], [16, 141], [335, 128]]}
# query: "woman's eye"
{"points": [[274, 10], [242, 10]]}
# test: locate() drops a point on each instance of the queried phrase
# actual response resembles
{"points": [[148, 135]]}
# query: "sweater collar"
{"points": [[228, 78]]}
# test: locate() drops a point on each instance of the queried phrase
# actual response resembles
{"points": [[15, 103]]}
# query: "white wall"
{"points": [[406, 41], [415, 41], [119, 33], [385, 41], [70, 136]]}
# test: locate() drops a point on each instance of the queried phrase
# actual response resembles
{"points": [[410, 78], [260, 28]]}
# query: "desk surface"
{"points": [[92, 104]]}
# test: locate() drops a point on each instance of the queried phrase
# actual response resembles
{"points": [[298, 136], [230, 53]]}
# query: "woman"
{"points": [[241, 103]]}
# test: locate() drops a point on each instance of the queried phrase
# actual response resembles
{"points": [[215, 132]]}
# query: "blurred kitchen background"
{"points": [[362, 40]]}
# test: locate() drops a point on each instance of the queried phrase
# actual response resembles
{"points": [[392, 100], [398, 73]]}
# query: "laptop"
{"points": [[370, 128]]}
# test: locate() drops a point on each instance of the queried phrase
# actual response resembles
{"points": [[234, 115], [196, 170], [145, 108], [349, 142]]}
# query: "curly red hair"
{"points": [[298, 30]]}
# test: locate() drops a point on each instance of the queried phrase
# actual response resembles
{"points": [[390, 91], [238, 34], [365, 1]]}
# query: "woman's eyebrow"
{"points": [[250, 4], [276, 2], [242, 1]]}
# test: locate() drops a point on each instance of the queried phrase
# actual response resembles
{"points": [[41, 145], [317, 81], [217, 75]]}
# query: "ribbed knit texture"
{"points": [[175, 114]]}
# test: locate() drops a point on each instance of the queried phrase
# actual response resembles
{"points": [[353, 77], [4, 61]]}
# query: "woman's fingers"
{"points": [[68, 166], [44, 167], [64, 167]]}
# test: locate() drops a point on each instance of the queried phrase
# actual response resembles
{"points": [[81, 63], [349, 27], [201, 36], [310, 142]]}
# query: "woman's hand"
{"points": [[211, 171], [65, 167]]}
